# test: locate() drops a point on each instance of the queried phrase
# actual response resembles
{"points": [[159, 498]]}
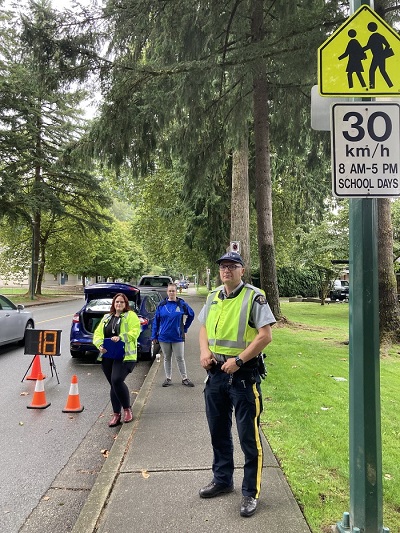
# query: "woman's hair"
{"points": [[126, 306]]}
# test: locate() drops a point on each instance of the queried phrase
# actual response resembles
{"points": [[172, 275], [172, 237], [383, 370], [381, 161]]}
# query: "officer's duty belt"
{"points": [[220, 358]]}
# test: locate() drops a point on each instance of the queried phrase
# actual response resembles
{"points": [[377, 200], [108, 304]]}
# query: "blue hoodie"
{"points": [[168, 323]]}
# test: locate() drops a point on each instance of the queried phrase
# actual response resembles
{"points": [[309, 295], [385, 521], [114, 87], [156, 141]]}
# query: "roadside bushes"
{"points": [[294, 282]]}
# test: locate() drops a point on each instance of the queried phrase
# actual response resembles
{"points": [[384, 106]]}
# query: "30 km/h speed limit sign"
{"points": [[366, 149]]}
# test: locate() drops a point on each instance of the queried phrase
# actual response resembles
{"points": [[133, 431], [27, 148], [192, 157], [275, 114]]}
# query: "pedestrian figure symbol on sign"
{"points": [[380, 50], [355, 52]]}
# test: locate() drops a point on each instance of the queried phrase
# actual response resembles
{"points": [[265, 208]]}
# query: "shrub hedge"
{"points": [[294, 282]]}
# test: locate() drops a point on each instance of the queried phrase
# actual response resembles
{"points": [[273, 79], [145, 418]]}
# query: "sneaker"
{"points": [[187, 382], [167, 382]]}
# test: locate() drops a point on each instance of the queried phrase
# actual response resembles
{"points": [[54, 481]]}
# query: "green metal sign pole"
{"points": [[366, 500]]}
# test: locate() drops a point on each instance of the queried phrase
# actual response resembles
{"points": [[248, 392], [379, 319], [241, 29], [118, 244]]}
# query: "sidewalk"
{"points": [[158, 463]]}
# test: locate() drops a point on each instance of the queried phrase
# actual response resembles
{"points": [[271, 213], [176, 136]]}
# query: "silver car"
{"points": [[14, 321]]}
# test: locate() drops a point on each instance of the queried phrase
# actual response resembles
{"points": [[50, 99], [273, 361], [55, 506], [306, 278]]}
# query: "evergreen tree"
{"points": [[42, 180], [187, 85]]}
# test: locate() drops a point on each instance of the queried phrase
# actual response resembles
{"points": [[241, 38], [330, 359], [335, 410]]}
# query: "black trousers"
{"points": [[116, 371], [223, 393]]}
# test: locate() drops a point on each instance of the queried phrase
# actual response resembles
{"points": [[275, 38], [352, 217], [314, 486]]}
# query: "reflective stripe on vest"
{"points": [[130, 347]]}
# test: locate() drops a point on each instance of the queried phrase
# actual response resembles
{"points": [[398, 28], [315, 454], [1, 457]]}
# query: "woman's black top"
{"points": [[112, 327]]}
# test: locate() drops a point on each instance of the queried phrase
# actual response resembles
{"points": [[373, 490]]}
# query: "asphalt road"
{"points": [[49, 459]]}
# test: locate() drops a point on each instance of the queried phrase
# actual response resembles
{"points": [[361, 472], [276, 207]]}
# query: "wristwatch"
{"points": [[238, 361]]}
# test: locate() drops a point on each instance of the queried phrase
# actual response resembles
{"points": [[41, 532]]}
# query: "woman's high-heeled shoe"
{"points": [[128, 416], [115, 421]]}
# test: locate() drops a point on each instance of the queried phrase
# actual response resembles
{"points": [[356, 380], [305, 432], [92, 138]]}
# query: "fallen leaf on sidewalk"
{"points": [[105, 453], [24, 394], [145, 474]]}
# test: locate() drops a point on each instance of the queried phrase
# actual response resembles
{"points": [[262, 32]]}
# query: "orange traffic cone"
{"points": [[36, 369], [39, 396], [73, 403]]}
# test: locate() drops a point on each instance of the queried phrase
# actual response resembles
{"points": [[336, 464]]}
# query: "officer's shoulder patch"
{"points": [[260, 299]]}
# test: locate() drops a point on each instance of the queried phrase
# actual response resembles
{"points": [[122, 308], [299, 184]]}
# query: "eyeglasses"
{"points": [[229, 267]]}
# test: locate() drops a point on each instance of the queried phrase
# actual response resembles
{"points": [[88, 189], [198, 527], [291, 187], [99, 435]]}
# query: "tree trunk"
{"points": [[389, 321], [37, 215], [35, 255], [41, 267], [36, 250], [240, 218], [268, 276]]}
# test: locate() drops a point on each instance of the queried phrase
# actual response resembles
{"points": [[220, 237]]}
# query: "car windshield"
{"points": [[104, 304], [151, 282]]}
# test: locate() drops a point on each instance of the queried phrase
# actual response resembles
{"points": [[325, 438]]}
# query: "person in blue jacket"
{"points": [[169, 329]]}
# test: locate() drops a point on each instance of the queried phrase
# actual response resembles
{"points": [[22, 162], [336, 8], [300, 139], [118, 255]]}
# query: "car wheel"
{"points": [[29, 325], [144, 356]]}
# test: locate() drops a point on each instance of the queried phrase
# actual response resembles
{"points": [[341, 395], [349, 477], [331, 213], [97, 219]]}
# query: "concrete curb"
{"points": [[61, 299], [97, 499]]}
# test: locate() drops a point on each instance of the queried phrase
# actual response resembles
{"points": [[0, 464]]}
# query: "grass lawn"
{"points": [[306, 415]]}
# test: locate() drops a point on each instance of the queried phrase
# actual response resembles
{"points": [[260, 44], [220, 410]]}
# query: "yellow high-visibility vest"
{"points": [[227, 321], [129, 333]]}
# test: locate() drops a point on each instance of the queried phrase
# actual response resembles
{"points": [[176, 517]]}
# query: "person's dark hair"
{"points": [[172, 284], [126, 306]]}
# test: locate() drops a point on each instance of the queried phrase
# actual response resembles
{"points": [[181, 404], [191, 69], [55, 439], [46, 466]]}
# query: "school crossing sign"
{"points": [[365, 149], [361, 58]]}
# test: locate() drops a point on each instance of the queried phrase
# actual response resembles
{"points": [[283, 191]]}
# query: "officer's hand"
{"points": [[230, 366], [207, 360]]}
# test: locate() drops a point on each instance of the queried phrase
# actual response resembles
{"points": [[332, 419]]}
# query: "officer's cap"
{"points": [[231, 256]]}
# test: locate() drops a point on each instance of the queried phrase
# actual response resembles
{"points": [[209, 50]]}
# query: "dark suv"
{"points": [[159, 283], [339, 290]]}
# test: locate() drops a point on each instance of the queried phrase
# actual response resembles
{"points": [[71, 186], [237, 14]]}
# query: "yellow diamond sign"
{"points": [[362, 58]]}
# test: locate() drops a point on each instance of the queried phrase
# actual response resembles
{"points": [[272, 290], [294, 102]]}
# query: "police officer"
{"points": [[236, 327]]}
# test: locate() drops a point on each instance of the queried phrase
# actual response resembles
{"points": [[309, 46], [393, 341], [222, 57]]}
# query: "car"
{"points": [[182, 284], [14, 321], [339, 290], [98, 298], [159, 283]]}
